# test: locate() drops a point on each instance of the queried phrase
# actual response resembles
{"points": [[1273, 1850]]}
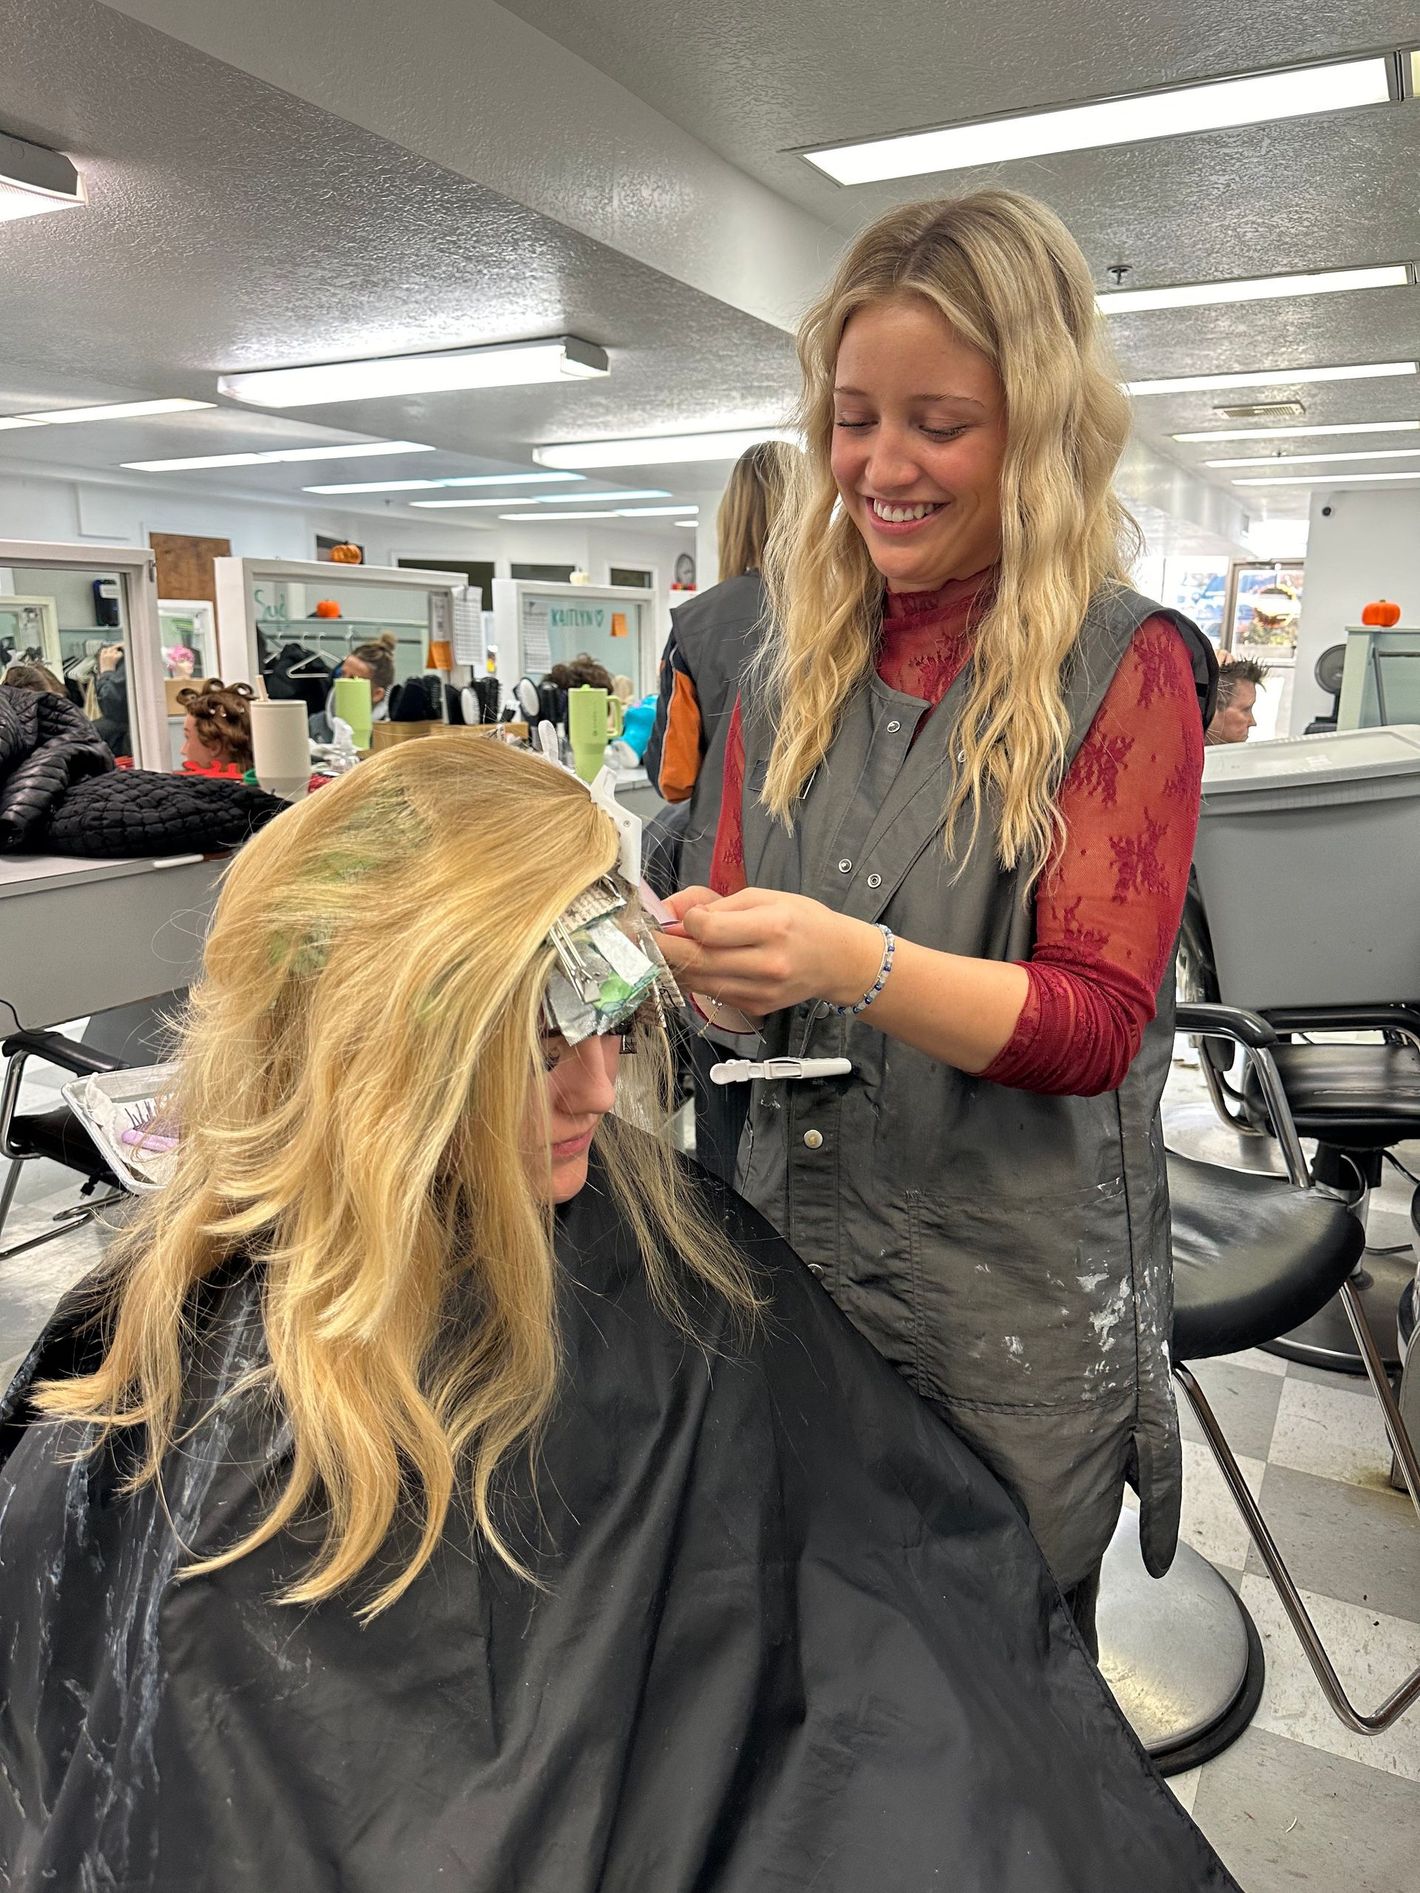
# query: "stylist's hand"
{"points": [[763, 951]]}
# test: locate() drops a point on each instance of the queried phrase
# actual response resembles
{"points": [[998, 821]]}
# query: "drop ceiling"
{"points": [[273, 186]]}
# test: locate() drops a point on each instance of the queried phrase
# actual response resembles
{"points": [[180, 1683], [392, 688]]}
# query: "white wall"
{"points": [[115, 513], [1361, 545]]}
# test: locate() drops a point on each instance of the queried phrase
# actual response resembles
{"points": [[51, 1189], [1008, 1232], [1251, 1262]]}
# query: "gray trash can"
{"points": [[1308, 859]]}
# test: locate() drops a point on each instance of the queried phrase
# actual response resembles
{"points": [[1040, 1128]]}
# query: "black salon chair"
{"points": [[1356, 1100], [54, 1133], [1254, 1255]]}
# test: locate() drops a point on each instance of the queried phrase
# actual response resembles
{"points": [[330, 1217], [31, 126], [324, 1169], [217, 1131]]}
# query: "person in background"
{"points": [[582, 671], [111, 697], [960, 804], [216, 731], [1239, 679], [713, 638], [34, 677], [441, 1485], [373, 660]]}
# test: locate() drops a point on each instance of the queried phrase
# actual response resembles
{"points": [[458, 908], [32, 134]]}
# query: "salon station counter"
{"points": [[79, 936]]}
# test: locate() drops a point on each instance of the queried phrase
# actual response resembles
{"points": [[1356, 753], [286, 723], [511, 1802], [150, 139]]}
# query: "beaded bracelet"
{"points": [[889, 948]]}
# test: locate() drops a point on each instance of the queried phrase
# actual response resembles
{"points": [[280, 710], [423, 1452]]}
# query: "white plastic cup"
{"points": [[281, 747]]}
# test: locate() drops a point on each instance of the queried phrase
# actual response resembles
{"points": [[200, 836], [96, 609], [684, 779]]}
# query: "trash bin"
{"points": [[1308, 860]]}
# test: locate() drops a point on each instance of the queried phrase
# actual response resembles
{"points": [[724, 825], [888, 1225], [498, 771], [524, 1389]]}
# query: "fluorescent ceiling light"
{"points": [[1270, 378], [471, 479], [502, 499], [34, 180], [630, 493], [1255, 289], [553, 499], [687, 522], [617, 512], [510, 479], [1307, 460], [1329, 479], [1215, 105], [18, 420], [111, 411], [365, 450], [660, 449], [1298, 433], [504, 365]]}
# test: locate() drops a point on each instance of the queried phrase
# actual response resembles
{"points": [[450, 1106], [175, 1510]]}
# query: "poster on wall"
{"points": [[184, 565]]}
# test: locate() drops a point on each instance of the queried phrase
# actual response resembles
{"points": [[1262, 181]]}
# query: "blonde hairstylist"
{"points": [[960, 803]]}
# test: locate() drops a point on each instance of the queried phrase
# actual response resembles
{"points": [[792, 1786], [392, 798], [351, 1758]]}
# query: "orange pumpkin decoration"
{"points": [[327, 608], [1381, 612], [346, 554]]}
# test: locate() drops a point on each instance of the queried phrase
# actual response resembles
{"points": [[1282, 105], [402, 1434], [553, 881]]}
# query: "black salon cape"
{"points": [[793, 1635]]}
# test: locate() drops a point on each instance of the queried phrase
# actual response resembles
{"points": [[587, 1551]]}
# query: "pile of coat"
{"points": [[60, 792]]}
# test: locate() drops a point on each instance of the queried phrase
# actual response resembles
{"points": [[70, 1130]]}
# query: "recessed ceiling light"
{"points": [[553, 499], [1269, 378], [504, 365], [659, 449], [1329, 479], [1255, 289], [110, 411], [630, 493], [364, 450], [34, 180], [1173, 112], [616, 512], [501, 499], [1298, 433], [1306, 460], [469, 479]]}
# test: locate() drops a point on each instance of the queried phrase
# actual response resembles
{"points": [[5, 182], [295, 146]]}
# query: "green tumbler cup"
{"points": [[593, 718], [353, 703]]}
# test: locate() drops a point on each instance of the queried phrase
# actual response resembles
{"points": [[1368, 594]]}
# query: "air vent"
{"points": [[1263, 411]]}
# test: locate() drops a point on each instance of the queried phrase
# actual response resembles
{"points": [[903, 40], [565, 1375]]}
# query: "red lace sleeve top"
{"points": [[1108, 913]]}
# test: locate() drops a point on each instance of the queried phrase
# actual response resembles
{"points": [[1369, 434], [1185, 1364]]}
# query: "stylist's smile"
{"points": [[900, 517]]}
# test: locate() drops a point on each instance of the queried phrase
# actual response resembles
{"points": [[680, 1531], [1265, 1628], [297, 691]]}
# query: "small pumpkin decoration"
{"points": [[347, 554], [1382, 612], [327, 608]]}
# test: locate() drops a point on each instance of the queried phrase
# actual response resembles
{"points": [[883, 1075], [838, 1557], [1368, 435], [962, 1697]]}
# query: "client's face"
{"points": [[581, 1088]]}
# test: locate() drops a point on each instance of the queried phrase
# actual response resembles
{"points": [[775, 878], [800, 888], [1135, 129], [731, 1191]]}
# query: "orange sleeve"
{"points": [[681, 744]]}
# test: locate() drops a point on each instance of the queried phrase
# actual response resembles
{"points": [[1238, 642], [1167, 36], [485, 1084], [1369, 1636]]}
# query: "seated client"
{"points": [[441, 1484]]}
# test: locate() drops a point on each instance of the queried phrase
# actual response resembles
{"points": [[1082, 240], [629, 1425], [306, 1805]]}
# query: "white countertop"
{"points": [[24, 873]]}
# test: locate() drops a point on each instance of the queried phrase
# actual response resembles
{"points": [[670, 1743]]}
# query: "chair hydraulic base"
{"points": [[1327, 1341], [1180, 1652]]}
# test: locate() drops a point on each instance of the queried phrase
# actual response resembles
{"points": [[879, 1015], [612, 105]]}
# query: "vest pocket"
{"points": [[1024, 1303]]}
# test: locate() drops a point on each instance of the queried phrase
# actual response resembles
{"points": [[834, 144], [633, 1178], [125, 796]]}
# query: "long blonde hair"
{"points": [[358, 1066], [750, 505], [1010, 279]]}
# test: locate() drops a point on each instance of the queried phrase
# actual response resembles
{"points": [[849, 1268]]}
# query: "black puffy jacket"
{"points": [[46, 746], [60, 792]]}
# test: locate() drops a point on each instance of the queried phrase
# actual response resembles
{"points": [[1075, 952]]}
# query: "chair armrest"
{"points": [[55, 1049], [1209, 1020], [1403, 1019], [1257, 1037]]}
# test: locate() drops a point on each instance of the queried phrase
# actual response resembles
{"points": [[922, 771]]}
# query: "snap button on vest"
{"points": [[845, 867], [894, 727], [813, 1139], [875, 880]]}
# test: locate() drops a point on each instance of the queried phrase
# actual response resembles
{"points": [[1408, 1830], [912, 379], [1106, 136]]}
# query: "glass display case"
{"points": [[538, 625], [89, 615], [317, 613]]}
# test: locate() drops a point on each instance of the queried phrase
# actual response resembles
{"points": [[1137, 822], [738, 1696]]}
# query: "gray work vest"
{"points": [[1007, 1251]]}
